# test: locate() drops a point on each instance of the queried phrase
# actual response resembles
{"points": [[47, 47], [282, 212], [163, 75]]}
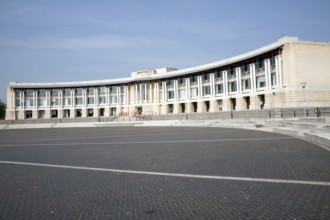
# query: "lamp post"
{"points": [[303, 85]]}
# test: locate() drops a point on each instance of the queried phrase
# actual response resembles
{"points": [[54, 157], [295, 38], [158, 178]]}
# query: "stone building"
{"points": [[270, 77]]}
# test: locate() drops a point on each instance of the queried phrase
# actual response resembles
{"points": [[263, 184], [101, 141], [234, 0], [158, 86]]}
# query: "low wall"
{"points": [[274, 113]]}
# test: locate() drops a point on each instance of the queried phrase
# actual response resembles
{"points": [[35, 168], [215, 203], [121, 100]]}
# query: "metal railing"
{"points": [[293, 113], [322, 112]]}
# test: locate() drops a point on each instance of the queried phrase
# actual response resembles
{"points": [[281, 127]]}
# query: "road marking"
{"points": [[147, 142], [264, 180], [107, 135]]}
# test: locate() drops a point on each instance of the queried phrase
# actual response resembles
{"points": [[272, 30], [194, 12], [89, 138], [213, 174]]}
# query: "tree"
{"points": [[2, 109]]}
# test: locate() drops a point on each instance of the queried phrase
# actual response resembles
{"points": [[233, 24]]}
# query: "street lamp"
{"points": [[303, 85]]}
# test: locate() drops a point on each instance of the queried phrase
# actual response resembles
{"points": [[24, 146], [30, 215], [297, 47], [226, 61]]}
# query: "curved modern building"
{"points": [[286, 74]]}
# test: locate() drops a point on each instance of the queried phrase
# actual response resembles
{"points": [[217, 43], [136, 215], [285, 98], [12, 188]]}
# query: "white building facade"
{"points": [[266, 78]]}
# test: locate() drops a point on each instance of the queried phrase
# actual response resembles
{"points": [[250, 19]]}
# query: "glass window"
{"points": [[194, 92], [219, 74], [113, 89], [67, 92], [102, 100], [54, 92], [232, 71], [261, 82], [113, 99], [170, 94], [246, 84], [182, 94], [219, 88], [193, 79], [28, 102], [41, 92], [17, 92], [260, 63], [79, 101], [232, 87], [90, 100], [90, 91], [123, 99], [206, 77], [102, 90], [42, 102], [206, 90], [41, 113], [79, 91], [273, 79], [272, 61], [182, 81], [170, 82], [54, 101], [67, 101], [29, 92]]}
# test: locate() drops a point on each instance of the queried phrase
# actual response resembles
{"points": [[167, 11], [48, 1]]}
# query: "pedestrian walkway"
{"points": [[313, 129]]}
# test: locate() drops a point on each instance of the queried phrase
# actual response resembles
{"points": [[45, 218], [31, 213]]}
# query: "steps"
{"points": [[315, 130]]}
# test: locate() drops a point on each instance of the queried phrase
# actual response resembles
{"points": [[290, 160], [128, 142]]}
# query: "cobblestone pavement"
{"points": [[35, 192]]}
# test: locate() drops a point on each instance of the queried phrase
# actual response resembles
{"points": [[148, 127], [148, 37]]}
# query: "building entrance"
{"points": [[138, 111]]}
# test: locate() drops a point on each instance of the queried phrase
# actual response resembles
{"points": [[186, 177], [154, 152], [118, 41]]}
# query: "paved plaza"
{"points": [[161, 173]]}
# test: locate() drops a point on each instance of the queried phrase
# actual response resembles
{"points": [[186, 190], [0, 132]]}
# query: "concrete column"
{"points": [[254, 102], [118, 96], [84, 97], [200, 87], [60, 98], [225, 82], [165, 93], [145, 92], [20, 99], [13, 100], [47, 97], [157, 92], [107, 99], [96, 100], [150, 96], [187, 89], [34, 98], [127, 95], [226, 105], [176, 91], [266, 61], [253, 77], [238, 80], [163, 109], [213, 105], [84, 112], [176, 107], [240, 103], [212, 85], [279, 76]]}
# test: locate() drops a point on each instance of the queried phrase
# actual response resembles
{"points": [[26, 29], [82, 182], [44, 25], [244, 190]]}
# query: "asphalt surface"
{"points": [[40, 192]]}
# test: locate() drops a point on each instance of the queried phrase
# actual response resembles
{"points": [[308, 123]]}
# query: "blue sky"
{"points": [[68, 40]]}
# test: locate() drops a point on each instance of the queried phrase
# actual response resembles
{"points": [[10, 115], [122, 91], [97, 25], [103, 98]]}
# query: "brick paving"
{"points": [[29, 192]]}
